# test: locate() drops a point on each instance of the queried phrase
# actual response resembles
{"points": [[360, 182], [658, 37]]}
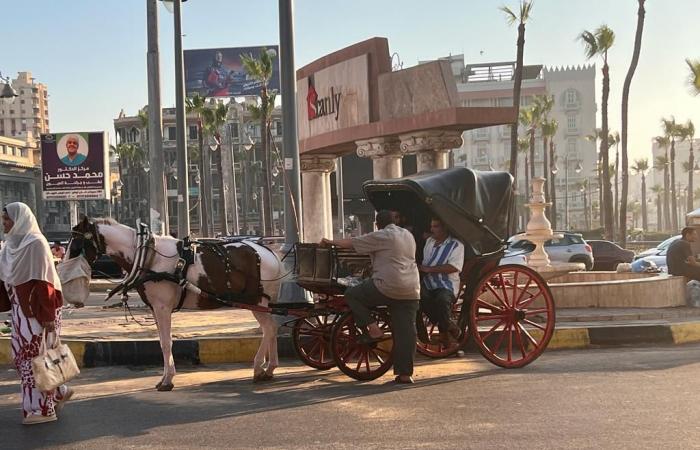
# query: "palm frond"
{"points": [[662, 141], [511, 18], [694, 75], [686, 166], [605, 38], [590, 44]]}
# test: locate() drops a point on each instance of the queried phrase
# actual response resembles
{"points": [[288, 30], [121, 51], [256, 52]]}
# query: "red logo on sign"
{"points": [[311, 99]]}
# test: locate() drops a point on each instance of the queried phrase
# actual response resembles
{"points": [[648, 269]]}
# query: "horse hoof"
{"points": [[261, 377], [160, 383], [162, 387]]}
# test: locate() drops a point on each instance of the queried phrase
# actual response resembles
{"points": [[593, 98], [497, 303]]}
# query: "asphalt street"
{"points": [[607, 398]]}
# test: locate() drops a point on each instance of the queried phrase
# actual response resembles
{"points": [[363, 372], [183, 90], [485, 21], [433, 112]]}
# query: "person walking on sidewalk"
{"points": [[680, 259], [394, 283], [31, 290]]}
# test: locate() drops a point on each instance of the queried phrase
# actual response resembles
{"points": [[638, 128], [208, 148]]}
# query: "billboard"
{"points": [[74, 166], [218, 72]]}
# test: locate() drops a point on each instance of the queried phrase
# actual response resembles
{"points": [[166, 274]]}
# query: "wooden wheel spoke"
{"points": [[360, 360], [519, 339], [367, 362], [533, 312], [316, 344], [534, 324], [528, 302], [503, 288], [529, 336], [490, 288], [481, 318], [322, 352], [524, 290], [379, 359], [509, 350], [488, 305], [492, 330], [499, 342], [379, 349]]}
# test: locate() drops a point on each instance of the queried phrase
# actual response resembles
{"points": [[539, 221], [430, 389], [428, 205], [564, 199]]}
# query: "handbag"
{"points": [[54, 366]]}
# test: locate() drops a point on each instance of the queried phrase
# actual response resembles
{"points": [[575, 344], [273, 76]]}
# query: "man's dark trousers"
{"points": [[437, 305], [365, 296]]}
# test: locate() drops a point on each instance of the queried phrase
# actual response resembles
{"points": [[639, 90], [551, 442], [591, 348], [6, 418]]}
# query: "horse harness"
{"points": [[186, 249]]}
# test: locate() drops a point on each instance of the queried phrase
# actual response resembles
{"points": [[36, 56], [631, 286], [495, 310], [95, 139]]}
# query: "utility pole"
{"points": [[183, 195], [158, 214], [292, 201]]}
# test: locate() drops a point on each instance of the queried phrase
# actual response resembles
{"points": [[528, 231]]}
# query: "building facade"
{"points": [[573, 90], [20, 174], [28, 116], [238, 134]]}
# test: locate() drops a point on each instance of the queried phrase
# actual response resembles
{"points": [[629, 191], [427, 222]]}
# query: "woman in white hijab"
{"points": [[31, 290]]}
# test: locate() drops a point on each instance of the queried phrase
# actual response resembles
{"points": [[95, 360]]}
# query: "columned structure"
{"points": [[316, 197], [386, 154], [432, 147]]}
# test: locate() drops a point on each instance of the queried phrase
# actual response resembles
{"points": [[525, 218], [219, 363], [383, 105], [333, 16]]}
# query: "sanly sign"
{"points": [[322, 106]]}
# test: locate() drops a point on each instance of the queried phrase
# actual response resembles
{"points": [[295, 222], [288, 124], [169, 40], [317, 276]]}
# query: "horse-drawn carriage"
{"points": [[508, 310]]}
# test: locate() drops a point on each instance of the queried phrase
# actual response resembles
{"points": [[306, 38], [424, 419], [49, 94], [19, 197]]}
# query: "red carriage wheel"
{"points": [[361, 361], [312, 340], [512, 316], [438, 350]]}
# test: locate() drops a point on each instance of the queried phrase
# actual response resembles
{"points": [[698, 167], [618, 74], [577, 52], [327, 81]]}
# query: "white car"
{"points": [[570, 248], [656, 251]]}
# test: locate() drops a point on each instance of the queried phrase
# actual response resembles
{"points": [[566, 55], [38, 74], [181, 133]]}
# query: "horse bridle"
{"points": [[94, 238]]}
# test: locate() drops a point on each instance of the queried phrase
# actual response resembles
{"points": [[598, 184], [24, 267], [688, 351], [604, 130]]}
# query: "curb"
{"points": [[221, 350]]}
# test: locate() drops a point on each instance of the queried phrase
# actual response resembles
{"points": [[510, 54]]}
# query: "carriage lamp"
{"points": [[579, 168], [169, 5], [8, 93], [250, 144]]}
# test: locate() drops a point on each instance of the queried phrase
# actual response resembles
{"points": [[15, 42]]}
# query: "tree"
{"points": [[694, 75], [524, 147], [582, 187], [260, 70], [530, 119], [213, 119], [640, 167], [595, 137], [598, 43], [687, 132], [545, 103], [623, 128], [658, 191], [661, 164], [197, 104], [671, 131], [550, 130], [615, 139], [128, 155]]}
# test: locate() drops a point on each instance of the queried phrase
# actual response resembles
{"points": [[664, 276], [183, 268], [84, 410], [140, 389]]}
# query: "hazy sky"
{"points": [[92, 53]]}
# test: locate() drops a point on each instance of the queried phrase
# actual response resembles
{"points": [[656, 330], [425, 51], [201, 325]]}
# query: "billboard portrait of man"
{"points": [[217, 78], [72, 149]]}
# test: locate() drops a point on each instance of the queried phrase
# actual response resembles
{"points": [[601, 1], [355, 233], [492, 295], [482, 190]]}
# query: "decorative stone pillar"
{"points": [[316, 195], [432, 148], [386, 156]]}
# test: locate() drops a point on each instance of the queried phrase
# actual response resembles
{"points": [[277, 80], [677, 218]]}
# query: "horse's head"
{"points": [[86, 241]]}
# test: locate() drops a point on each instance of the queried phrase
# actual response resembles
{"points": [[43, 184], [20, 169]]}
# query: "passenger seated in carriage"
{"points": [[443, 258]]}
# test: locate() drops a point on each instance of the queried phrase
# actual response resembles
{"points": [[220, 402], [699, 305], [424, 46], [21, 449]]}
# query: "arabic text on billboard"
{"points": [[218, 72], [74, 166]]}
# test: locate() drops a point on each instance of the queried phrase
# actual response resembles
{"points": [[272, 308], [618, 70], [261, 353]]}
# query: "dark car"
{"points": [[607, 255], [105, 267]]}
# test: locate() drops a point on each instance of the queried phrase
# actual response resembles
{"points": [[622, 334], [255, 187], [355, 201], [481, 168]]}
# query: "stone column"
{"points": [[386, 156], [432, 148], [316, 197]]}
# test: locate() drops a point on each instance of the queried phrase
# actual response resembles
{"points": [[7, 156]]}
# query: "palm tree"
{"points": [[658, 191], [623, 128], [687, 132], [260, 70], [595, 137], [661, 164], [694, 75], [640, 167], [671, 132], [582, 186], [524, 147], [213, 119], [198, 105], [530, 119], [521, 18], [545, 103], [549, 130], [615, 139], [598, 43]]}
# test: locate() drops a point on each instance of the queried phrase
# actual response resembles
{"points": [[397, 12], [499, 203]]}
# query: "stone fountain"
{"points": [[538, 231]]}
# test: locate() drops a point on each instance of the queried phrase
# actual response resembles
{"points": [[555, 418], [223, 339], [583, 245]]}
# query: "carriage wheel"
{"points": [[512, 316], [361, 361], [312, 340], [439, 350]]}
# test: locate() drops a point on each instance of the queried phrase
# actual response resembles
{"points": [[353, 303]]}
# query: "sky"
{"points": [[92, 54]]}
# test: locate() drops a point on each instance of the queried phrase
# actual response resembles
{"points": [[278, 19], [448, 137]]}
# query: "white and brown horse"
{"points": [[105, 236]]}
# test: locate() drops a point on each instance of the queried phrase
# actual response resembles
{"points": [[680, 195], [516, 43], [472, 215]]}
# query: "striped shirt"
{"points": [[450, 251]]}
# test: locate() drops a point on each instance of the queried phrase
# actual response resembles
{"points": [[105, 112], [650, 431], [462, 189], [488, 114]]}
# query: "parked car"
{"points": [[658, 249], [570, 248], [105, 267], [607, 255]]}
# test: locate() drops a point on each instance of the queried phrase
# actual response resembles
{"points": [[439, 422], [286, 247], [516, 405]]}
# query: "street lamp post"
{"points": [[183, 195]]}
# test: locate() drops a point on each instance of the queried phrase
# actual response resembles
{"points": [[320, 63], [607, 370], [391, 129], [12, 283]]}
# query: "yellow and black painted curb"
{"points": [[218, 350]]}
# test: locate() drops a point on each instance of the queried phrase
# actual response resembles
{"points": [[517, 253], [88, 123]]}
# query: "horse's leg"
{"points": [[259, 360], [272, 357], [163, 316]]}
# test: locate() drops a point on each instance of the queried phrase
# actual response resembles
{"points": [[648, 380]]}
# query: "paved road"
{"points": [[612, 398]]}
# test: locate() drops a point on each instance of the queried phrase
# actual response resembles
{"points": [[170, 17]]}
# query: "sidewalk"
{"points": [[102, 335]]}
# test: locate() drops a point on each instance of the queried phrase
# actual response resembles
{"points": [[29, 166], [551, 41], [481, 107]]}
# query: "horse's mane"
{"points": [[105, 221]]}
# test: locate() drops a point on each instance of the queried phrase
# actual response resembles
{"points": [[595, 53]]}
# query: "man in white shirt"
{"points": [[443, 258], [394, 283]]}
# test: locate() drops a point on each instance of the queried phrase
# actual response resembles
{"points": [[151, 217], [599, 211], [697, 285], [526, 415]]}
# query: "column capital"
{"points": [[434, 140], [379, 148], [318, 163]]}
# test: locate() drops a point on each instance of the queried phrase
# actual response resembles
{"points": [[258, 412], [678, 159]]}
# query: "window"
{"points": [[278, 128], [171, 135], [133, 135], [22, 102], [482, 153], [571, 98], [483, 133], [505, 102], [233, 130], [571, 122], [23, 152], [193, 132], [2, 149], [571, 147]]}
